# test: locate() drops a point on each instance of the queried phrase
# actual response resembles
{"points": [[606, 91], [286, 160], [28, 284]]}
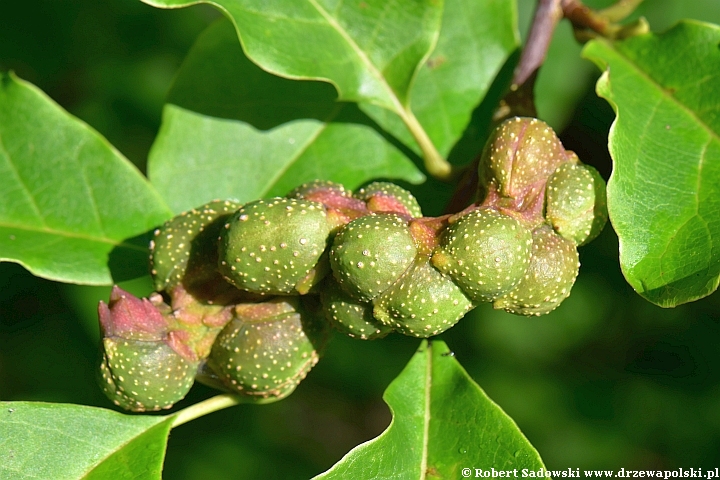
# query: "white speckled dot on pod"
{"points": [[268, 347], [270, 246], [186, 245]]}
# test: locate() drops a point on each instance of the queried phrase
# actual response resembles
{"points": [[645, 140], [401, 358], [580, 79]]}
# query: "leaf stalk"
{"points": [[435, 164], [588, 23], [216, 403]]}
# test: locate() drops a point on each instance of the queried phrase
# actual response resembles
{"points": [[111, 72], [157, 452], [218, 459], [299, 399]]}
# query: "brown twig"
{"points": [[547, 15]]}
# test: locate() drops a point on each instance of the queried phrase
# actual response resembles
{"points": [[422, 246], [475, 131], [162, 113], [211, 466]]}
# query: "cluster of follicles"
{"points": [[246, 295]]}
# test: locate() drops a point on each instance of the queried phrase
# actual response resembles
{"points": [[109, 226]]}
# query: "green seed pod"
{"points": [[270, 246], [390, 198], [520, 155], [184, 249], [268, 348], [144, 376], [370, 253], [349, 316], [485, 252], [553, 268], [576, 203], [423, 303]]}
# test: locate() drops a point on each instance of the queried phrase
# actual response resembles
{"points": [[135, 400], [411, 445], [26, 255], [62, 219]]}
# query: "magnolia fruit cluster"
{"points": [[246, 293]]}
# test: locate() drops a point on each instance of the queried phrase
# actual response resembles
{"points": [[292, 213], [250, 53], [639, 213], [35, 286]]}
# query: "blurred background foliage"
{"points": [[606, 381]]}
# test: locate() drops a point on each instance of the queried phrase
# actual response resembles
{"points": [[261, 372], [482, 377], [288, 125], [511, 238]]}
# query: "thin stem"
{"points": [[547, 16], [520, 100], [585, 20], [216, 403], [582, 16], [435, 164], [426, 417], [620, 10]]}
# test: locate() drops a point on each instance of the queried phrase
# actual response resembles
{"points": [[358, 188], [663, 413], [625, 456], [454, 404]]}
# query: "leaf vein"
{"points": [[299, 152], [644, 75], [90, 192], [426, 416], [20, 180], [62, 233], [360, 54]]}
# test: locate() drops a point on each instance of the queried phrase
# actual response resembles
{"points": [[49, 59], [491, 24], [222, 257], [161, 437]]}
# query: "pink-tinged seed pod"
{"points": [[386, 197], [145, 366], [518, 158]]}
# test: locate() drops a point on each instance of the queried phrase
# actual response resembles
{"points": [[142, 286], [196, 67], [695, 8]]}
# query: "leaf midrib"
{"points": [[62, 233], [361, 55], [126, 443], [426, 415], [280, 172]]}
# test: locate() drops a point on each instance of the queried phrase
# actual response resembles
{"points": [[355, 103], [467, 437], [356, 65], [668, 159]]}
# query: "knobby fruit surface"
{"points": [[146, 364], [319, 188], [485, 252], [576, 202], [370, 253], [252, 290], [268, 348], [423, 303], [349, 316], [185, 247], [519, 156], [389, 198], [271, 246], [144, 376], [549, 278]]}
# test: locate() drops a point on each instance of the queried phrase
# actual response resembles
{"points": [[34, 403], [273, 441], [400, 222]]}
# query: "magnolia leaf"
{"points": [[232, 130], [476, 39], [664, 193], [370, 50], [69, 202], [443, 426], [68, 442]]}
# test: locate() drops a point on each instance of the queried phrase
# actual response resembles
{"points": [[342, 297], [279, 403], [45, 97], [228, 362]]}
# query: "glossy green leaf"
{"points": [[476, 39], [369, 50], [233, 130], [61, 441], [442, 423], [664, 193], [69, 202]]}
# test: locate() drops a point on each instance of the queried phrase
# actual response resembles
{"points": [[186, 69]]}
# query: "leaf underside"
{"points": [[664, 193]]}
